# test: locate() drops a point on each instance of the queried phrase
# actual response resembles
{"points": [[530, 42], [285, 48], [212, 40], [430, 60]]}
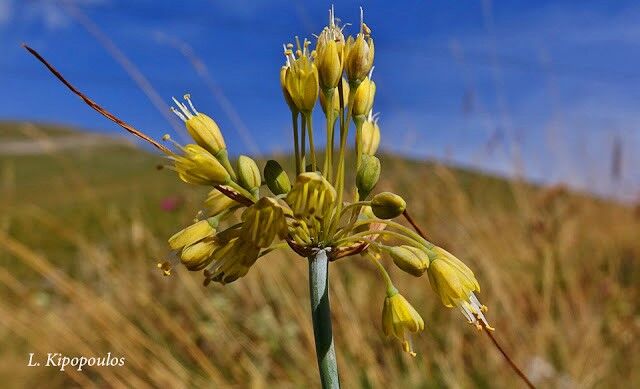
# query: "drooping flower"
{"points": [[456, 285], [263, 221], [399, 319]]}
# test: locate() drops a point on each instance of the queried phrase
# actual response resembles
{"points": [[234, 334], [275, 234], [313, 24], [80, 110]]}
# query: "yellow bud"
{"points": [[262, 222], [370, 137], [358, 55], [398, 318], [410, 259], [204, 130], [198, 255], [329, 54], [248, 173], [276, 178], [285, 92], [363, 98], [217, 202], [198, 166], [367, 175], [206, 133], [191, 234], [387, 205]]}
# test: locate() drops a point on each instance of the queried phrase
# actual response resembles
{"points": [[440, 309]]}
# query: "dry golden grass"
{"points": [[559, 272]]}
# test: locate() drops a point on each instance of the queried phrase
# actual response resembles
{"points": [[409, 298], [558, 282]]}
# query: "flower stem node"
{"points": [[367, 175], [262, 222], [387, 205], [410, 259], [249, 174], [398, 318], [455, 284], [276, 178], [198, 166]]}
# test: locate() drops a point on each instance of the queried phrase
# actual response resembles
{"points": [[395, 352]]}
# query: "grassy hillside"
{"points": [[81, 232]]}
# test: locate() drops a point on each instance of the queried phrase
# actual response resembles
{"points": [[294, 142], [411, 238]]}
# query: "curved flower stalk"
{"points": [[248, 214]]}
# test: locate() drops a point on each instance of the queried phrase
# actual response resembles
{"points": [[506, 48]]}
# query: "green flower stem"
{"points": [[357, 237], [296, 141], [312, 148], [303, 145], [321, 315], [391, 290], [223, 157]]}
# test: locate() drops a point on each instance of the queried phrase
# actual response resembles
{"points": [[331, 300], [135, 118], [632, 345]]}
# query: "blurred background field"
{"points": [[82, 231], [510, 128]]}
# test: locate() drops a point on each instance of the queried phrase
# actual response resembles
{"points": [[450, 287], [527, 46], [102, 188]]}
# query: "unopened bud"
{"points": [[363, 98], [410, 259], [367, 175], [370, 137], [248, 173], [387, 205], [276, 178]]}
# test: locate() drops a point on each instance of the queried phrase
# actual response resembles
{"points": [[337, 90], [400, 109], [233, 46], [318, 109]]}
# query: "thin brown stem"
{"points": [[414, 224], [95, 105], [514, 367]]}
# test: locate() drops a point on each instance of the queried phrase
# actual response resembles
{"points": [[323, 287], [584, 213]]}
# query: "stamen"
{"points": [[361, 19], [183, 108], [181, 116], [188, 98]]}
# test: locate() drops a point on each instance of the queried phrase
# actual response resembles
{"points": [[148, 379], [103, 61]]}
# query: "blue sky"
{"points": [[545, 88]]}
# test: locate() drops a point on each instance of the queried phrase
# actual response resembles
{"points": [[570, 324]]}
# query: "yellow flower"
{"points": [[232, 258], [359, 53], [198, 166], [363, 98], [329, 54], [283, 77], [370, 135], [204, 130], [301, 78], [455, 283], [191, 234], [217, 202], [198, 255], [398, 317], [262, 222], [311, 195]]}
